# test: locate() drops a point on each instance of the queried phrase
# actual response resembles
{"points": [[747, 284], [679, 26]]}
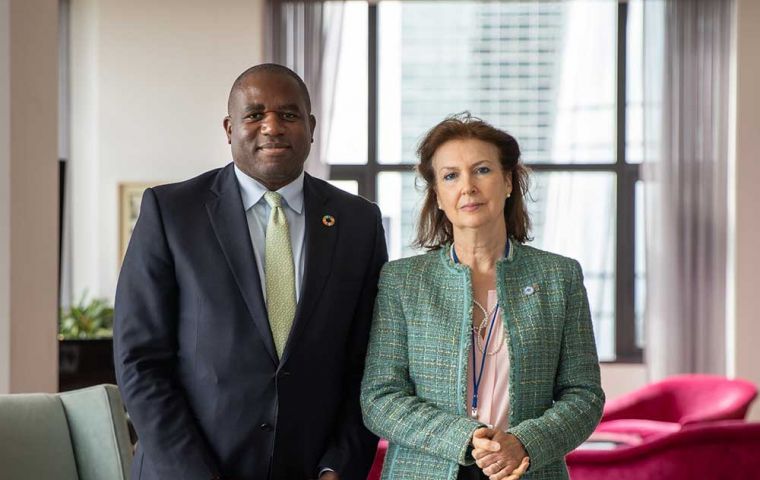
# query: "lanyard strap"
{"points": [[478, 375]]}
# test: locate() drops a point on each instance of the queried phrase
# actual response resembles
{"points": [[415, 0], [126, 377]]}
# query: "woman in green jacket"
{"points": [[481, 362]]}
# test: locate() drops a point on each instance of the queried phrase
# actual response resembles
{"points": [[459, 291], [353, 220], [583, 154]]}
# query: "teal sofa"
{"points": [[77, 435]]}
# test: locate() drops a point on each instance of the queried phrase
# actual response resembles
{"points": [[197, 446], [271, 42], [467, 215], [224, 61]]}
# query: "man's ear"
{"points": [[313, 125], [227, 123]]}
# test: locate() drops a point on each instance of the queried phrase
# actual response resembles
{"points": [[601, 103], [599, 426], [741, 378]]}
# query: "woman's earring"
{"points": [[509, 194]]}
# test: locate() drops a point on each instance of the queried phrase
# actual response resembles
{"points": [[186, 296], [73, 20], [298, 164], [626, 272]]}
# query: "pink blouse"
{"points": [[493, 394]]}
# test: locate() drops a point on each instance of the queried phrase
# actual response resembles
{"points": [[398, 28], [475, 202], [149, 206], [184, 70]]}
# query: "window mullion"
{"points": [[625, 333], [371, 171]]}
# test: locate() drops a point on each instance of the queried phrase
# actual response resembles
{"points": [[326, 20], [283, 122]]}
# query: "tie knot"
{"points": [[274, 199]]}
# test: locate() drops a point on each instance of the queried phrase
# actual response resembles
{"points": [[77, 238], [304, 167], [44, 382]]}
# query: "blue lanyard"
{"points": [[478, 376]]}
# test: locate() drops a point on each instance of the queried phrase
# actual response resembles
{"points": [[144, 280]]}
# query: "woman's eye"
{"points": [[449, 176], [483, 170]]}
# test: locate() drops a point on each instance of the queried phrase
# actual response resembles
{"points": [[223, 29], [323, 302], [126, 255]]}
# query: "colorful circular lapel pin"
{"points": [[328, 220]]}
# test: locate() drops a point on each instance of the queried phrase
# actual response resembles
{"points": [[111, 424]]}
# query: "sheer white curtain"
{"points": [[686, 78], [305, 36]]}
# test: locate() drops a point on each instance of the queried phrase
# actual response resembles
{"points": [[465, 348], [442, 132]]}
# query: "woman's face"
{"points": [[470, 183]]}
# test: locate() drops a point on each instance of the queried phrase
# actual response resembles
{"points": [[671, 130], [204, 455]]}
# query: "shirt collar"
{"points": [[252, 191]]}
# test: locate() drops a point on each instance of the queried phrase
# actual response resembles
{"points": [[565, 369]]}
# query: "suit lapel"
{"points": [[319, 243], [231, 228]]}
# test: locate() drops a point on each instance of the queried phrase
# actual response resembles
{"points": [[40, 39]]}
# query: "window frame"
{"points": [[626, 175]]}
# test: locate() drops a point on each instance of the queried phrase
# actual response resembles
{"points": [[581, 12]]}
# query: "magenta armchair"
{"points": [[666, 406], [728, 450], [685, 399]]}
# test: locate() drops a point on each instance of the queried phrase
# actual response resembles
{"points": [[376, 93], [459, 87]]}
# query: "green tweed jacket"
{"points": [[414, 387]]}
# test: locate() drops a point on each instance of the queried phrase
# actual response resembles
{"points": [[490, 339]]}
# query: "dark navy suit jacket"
{"points": [[194, 355]]}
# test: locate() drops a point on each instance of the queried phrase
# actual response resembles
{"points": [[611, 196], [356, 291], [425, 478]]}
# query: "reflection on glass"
{"points": [[342, 125], [574, 214], [350, 186], [544, 71], [400, 202]]}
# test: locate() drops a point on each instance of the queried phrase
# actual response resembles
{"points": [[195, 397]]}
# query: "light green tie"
{"points": [[280, 273]]}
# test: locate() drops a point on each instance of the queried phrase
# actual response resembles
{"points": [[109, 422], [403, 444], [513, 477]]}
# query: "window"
{"points": [[553, 74]]}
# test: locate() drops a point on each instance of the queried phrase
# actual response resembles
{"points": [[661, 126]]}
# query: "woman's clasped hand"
{"points": [[500, 455]]}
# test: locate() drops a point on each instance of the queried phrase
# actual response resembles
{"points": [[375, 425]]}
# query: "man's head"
{"points": [[269, 124]]}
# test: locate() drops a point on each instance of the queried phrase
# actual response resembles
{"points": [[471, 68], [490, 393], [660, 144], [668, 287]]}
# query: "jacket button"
{"points": [[266, 427]]}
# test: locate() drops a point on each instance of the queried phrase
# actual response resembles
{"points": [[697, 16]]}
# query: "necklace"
{"points": [[479, 331]]}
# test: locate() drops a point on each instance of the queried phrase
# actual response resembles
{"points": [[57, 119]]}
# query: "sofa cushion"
{"points": [[34, 438], [99, 433]]}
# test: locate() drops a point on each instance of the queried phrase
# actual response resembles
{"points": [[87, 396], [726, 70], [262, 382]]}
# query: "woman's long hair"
{"points": [[434, 229]]}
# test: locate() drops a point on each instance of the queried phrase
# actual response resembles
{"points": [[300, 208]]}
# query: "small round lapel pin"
{"points": [[530, 289], [328, 220]]}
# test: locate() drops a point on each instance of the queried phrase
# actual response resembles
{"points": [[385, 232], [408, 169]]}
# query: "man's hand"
{"points": [[500, 455], [329, 476]]}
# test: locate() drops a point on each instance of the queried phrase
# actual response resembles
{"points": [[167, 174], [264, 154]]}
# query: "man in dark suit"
{"points": [[242, 315]]}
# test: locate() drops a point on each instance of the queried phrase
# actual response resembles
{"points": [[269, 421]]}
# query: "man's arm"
{"points": [[353, 447], [145, 353]]}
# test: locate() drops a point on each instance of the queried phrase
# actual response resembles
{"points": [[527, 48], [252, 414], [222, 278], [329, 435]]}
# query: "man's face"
{"points": [[269, 128]]}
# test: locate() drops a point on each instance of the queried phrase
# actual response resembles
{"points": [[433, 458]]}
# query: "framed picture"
{"points": [[130, 196]]}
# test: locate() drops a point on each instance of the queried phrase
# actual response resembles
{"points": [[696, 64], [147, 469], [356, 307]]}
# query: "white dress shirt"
{"points": [[257, 215]]}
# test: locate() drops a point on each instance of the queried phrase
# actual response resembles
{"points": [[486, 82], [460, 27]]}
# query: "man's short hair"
{"points": [[270, 68]]}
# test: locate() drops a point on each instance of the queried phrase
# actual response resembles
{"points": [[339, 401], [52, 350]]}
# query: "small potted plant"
{"points": [[85, 344], [86, 320]]}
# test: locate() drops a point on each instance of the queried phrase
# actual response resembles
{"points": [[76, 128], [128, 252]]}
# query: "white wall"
{"points": [[5, 196], [149, 85], [620, 378], [746, 242]]}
